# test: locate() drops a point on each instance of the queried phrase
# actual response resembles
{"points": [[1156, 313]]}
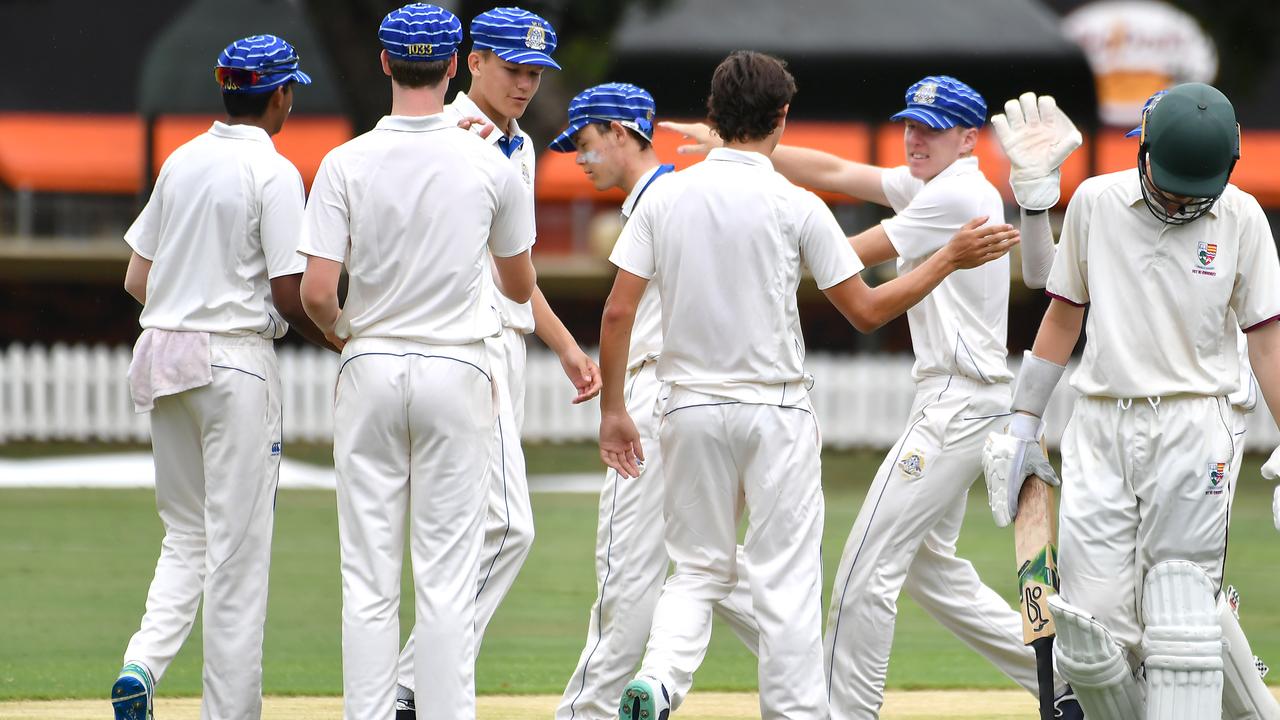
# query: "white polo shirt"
{"points": [[413, 208], [222, 221], [961, 328], [646, 335], [725, 241], [1161, 297], [517, 316]]}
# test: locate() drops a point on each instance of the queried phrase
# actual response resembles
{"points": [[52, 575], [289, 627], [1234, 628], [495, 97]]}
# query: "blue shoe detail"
{"points": [[131, 694]]}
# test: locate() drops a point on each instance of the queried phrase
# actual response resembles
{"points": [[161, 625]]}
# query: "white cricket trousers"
{"points": [[413, 433], [217, 459], [1141, 484], [631, 565], [508, 520], [905, 539], [719, 452]]}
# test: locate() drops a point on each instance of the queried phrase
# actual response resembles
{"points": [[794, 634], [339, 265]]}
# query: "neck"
{"points": [[501, 122], [258, 122], [637, 166], [763, 146], [417, 102]]}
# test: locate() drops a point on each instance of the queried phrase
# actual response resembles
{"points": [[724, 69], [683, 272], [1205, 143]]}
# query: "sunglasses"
{"points": [[230, 78]]}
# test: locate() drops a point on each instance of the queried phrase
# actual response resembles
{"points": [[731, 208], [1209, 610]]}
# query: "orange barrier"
{"points": [[560, 180], [305, 140]]}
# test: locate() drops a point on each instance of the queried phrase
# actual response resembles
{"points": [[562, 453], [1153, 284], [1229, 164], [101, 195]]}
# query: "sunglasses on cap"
{"points": [[230, 78]]}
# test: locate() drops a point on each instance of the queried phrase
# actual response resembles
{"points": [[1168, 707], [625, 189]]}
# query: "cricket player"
{"points": [[1037, 137], [906, 532], [611, 129], [214, 267], [511, 48], [725, 242], [1143, 516], [414, 210]]}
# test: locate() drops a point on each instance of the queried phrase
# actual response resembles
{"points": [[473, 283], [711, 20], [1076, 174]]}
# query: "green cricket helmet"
{"points": [[1190, 144]]}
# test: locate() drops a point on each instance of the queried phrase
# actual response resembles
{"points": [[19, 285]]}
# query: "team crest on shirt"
{"points": [[536, 38], [524, 173], [1217, 478], [1205, 255], [912, 464], [275, 449], [926, 94]]}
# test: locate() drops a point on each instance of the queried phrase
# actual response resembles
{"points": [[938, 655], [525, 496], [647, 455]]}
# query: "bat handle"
{"points": [[1044, 675]]}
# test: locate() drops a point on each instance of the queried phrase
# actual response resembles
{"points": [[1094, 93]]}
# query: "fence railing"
{"points": [[80, 393]]}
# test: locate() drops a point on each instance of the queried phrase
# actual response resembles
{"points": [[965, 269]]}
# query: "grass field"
{"points": [[75, 565]]}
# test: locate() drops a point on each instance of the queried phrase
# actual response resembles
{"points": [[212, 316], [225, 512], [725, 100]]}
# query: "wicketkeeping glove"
{"points": [[1008, 459], [1037, 137], [1271, 471]]}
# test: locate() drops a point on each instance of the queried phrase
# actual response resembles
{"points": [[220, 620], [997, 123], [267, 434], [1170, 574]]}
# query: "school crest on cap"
{"points": [[926, 94], [536, 38]]}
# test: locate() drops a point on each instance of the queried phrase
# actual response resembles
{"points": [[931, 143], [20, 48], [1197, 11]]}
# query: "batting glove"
{"points": [[1037, 137], [1271, 471], [1008, 459]]}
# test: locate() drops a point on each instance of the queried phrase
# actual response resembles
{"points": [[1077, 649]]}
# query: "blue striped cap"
{"points": [[516, 36], [630, 105], [1146, 108], [420, 32], [942, 102], [273, 60]]}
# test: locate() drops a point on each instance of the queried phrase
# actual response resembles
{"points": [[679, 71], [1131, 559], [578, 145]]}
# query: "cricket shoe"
{"points": [[405, 709], [131, 695], [1066, 706], [644, 699]]}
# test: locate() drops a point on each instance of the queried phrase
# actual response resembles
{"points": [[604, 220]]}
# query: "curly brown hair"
{"points": [[748, 91]]}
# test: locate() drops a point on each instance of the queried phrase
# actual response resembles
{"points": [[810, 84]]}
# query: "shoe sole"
{"points": [[129, 700], [637, 702]]}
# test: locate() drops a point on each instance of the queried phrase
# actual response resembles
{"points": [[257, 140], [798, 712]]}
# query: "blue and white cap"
{"points": [[258, 64], [420, 32], [1146, 108], [628, 104], [943, 102], [515, 35]]}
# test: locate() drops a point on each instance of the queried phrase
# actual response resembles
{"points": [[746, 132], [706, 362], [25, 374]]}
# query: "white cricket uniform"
{"points": [[222, 221], [631, 557], [1146, 455], [905, 535], [725, 242], [508, 523], [414, 404]]}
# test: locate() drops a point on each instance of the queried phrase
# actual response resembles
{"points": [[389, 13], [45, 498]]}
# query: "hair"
{"points": [[748, 91], [249, 104], [414, 74]]}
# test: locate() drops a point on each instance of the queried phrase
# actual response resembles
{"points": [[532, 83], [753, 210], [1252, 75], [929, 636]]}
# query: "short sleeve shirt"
{"points": [[1164, 300], [417, 272], [961, 327], [726, 241], [223, 220]]}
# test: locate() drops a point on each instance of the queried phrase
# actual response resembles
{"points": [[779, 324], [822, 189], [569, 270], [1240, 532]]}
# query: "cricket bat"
{"points": [[1035, 533]]}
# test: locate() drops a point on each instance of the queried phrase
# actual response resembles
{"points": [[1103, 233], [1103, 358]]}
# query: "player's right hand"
{"points": [[479, 125], [620, 444], [704, 137], [977, 244], [1037, 137], [1008, 459], [1271, 471]]}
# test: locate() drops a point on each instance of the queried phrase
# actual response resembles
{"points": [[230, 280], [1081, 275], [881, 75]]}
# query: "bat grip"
{"points": [[1044, 675]]}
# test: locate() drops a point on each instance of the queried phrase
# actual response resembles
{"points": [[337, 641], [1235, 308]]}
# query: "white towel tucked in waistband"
{"points": [[167, 362]]}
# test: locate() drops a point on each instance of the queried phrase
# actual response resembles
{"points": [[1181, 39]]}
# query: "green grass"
{"points": [[75, 565]]}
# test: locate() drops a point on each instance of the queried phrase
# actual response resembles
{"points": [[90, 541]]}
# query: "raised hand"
{"points": [[1038, 137], [704, 137]]}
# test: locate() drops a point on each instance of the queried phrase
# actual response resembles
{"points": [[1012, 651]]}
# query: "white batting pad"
{"points": [[1094, 664], [1244, 694], [1182, 643]]}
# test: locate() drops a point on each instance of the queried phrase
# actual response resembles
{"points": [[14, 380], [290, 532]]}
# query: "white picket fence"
{"points": [[79, 393]]}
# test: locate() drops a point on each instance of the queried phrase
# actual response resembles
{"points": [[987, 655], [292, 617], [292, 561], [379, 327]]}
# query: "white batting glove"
{"points": [[1271, 471], [1037, 137], [1008, 459]]}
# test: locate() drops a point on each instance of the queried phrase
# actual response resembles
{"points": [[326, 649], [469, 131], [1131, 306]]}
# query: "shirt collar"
{"points": [[962, 166], [1133, 193], [630, 203], [415, 123], [466, 107], [239, 132], [740, 156]]}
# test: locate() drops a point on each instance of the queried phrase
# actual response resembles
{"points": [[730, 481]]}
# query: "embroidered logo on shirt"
{"points": [[912, 464], [1205, 256], [275, 449], [1217, 478]]}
